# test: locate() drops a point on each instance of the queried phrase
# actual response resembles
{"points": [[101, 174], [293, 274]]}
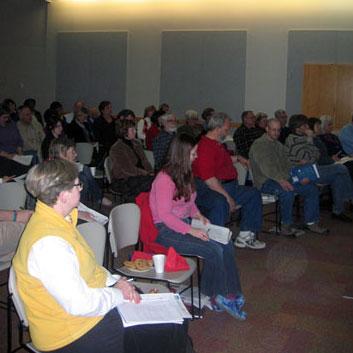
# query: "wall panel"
{"points": [[91, 66], [197, 71]]}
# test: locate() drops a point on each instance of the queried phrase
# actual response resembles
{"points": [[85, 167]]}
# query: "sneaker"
{"points": [[239, 301], [249, 241], [231, 307], [289, 231], [215, 307], [315, 228]]}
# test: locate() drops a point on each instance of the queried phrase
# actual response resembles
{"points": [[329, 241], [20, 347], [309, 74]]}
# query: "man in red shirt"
{"points": [[216, 183]]}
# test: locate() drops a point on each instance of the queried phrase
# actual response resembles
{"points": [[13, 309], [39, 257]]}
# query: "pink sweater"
{"points": [[168, 211]]}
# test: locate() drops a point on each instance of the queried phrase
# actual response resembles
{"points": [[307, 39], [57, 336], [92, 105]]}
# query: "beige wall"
{"points": [[266, 22]]}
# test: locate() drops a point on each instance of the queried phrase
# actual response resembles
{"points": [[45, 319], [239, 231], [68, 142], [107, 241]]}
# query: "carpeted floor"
{"points": [[294, 291]]}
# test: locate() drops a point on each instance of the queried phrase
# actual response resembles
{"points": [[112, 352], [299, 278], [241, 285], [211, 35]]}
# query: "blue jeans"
{"points": [[251, 205], [211, 204], [219, 273], [215, 207], [91, 191], [338, 177], [309, 192]]}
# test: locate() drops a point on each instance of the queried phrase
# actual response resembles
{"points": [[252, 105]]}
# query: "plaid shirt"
{"points": [[244, 137], [160, 148]]}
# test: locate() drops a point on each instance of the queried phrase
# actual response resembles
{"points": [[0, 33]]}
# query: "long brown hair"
{"points": [[178, 166]]}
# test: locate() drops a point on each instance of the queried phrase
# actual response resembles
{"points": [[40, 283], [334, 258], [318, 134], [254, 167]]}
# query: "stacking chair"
{"points": [[15, 301], [84, 152], [268, 199], [95, 236], [124, 225], [12, 196]]}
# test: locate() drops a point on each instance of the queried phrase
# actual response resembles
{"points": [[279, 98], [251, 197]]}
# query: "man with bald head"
{"points": [[271, 169]]}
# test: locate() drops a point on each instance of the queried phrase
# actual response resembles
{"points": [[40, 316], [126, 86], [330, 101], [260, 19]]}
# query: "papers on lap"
{"points": [[216, 233], [160, 308]]}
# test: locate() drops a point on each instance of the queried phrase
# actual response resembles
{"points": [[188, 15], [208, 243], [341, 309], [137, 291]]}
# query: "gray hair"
{"points": [[163, 119], [45, 181], [217, 120], [191, 114], [272, 120], [279, 112], [325, 120]]}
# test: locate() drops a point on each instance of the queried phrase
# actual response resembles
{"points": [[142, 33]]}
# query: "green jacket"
{"points": [[268, 160]]}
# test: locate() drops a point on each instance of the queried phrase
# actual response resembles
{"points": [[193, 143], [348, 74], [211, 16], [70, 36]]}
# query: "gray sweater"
{"points": [[302, 147], [268, 160]]}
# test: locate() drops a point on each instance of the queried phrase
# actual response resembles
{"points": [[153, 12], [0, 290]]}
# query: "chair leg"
{"points": [[9, 324], [199, 284], [192, 297]]}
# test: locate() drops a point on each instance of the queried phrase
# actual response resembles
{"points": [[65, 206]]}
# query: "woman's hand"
{"points": [[203, 219], [128, 290], [198, 233], [86, 216], [5, 178]]}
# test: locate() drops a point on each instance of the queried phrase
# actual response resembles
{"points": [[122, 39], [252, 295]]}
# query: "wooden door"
{"points": [[319, 90], [344, 96], [328, 89]]}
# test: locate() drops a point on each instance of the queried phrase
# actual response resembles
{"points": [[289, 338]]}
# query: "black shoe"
{"points": [[342, 217]]}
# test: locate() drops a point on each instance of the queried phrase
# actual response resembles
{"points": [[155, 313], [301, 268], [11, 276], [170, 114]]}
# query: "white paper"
{"points": [[22, 159], [154, 309], [344, 160], [216, 233], [98, 217]]}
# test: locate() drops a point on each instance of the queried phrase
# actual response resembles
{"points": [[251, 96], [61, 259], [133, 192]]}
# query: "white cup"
{"points": [[159, 262], [93, 171]]}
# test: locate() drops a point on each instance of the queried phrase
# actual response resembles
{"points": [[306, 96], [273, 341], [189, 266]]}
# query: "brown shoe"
{"points": [[315, 228], [290, 231]]}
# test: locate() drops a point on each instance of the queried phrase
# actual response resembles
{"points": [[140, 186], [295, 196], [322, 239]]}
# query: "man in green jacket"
{"points": [[271, 167]]}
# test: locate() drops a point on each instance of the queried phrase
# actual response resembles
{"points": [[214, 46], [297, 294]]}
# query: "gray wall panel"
{"points": [[320, 47], [203, 68], [95, 63]]}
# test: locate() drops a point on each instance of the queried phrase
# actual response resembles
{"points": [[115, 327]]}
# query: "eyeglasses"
{"points": [[80, 185]]}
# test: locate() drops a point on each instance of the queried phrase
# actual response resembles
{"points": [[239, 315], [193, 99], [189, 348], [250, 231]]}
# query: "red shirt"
{"points": [[213, 160]]}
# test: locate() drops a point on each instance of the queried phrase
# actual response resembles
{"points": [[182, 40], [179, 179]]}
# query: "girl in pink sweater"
{"points": [[172, 202]]}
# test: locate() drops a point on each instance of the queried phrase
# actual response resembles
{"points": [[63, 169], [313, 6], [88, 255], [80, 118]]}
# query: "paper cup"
{"points": [[93, 171], [159, 262]]}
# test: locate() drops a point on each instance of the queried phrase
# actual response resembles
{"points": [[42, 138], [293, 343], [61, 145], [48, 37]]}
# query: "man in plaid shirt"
{"points": [[246, 134]]}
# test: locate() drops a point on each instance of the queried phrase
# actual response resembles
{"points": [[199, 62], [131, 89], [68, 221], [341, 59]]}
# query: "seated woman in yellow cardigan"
{"points": [[70, 300]]}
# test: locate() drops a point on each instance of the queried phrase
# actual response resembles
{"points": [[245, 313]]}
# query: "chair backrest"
{"points": [[12, 196], [150, 158], [124, 224], [108, 169], [17, 301], [95, 236], [84, 152]]}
